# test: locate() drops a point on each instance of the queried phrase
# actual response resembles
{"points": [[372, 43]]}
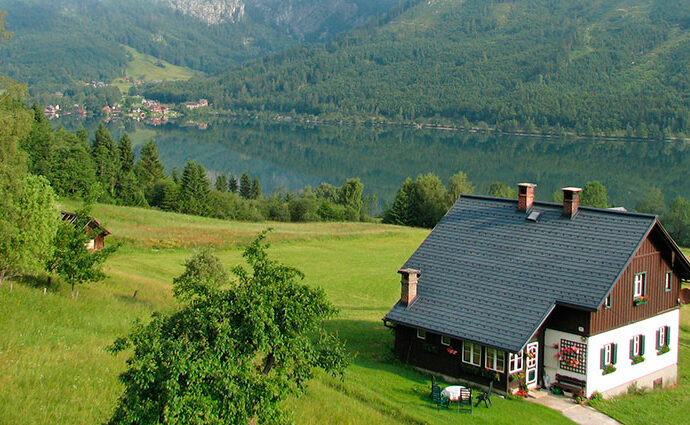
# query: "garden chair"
{"points": [[465, 401], [486, 397], [437, 398]]}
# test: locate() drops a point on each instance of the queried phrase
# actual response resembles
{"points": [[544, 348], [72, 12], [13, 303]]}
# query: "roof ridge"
{"points": [[557, 204]]}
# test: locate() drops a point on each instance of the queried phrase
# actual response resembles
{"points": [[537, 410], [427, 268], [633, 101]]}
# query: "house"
{"points": [[92, 227], [534, 294]]}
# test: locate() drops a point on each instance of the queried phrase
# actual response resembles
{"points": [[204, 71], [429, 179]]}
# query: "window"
{"points": [[421, 334], [495, 359], [609, 355], [637, 346], [640, 285], [607, 301], [471, 353], [515, 363], [663, 337], [668, 283], [445, 340]]}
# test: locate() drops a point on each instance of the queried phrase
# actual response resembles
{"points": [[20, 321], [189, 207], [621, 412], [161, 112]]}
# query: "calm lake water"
{"points": [[295, 155]]}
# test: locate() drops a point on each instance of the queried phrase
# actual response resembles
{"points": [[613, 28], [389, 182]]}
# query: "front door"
{"points": [[532, 359]]}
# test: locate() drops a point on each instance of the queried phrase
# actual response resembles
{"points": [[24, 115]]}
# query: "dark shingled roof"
{"points": [[490, 275]]}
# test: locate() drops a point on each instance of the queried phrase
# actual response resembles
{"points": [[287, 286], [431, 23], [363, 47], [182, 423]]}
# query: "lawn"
{"points": [[54, 368], [148, 68]]}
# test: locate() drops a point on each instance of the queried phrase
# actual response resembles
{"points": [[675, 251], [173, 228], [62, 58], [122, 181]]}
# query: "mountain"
{"points": [[64, 42], [618, 67]]}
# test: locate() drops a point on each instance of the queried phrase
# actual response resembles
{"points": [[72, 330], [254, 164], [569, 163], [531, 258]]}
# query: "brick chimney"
{"points": [[571, 201], [525, 196], [408, 285]]}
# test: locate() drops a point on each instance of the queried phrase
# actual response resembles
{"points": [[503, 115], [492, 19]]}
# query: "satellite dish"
{"points": [[685, 296]]}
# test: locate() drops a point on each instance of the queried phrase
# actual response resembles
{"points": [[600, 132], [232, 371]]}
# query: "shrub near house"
{"points": [[526, 293]]}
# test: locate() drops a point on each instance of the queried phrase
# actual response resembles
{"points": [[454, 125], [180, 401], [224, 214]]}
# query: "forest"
{"points": [[554, 66]]}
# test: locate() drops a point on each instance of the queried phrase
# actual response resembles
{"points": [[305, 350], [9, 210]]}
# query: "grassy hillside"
{"points": [[146, 67], [585, 66], [54, 369]]}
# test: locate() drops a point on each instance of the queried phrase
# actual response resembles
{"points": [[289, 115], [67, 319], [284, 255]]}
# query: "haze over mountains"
{"points": [[64, 41]]}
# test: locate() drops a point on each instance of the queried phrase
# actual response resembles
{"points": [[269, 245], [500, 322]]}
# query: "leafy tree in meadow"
{"points": [[502, 190], [594, 195], [256, 188], [677, 221], [245, 186], [234, 351], [350, 196], [194, 190], [106, 157], [429, 201], [233, 186], [222, 183], [458, 185], [652, 203], [29, 240], [71, 261]]}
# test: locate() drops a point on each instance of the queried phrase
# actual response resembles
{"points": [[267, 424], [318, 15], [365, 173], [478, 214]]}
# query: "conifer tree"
{"points": [[106, 157], [233, 186], [194, 190], [222, 183], [245, 186], [149, 168], [256, 189], [126, 153]]}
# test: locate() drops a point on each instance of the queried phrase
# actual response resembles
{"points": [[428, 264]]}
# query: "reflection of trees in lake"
{"points": [[292, 155]]}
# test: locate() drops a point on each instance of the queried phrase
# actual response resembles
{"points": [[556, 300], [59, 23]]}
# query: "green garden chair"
{"points": [[486, 397], [438, 399]]}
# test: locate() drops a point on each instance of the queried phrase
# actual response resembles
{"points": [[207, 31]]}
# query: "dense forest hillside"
{"points": [[588, 66], [61, 42]]}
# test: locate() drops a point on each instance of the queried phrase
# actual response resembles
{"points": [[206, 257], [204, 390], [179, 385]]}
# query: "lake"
{"points": [[291, 156]]}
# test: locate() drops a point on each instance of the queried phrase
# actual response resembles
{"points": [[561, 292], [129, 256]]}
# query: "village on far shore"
{"points": [[136, 108]]}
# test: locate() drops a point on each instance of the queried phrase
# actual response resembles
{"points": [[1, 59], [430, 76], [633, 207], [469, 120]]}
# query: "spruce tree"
{"points": [[149, 168], [233, 186], [256, 188], [245, 186], [126, 153], [222, 183], [194, 190], [106, 158]]}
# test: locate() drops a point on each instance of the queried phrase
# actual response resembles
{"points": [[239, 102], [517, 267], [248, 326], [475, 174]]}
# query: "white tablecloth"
{"points": [[452, 393]]}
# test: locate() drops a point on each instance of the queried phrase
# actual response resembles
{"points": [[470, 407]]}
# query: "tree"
{"points": [[28, 241], [194, 190], [245, 186], [149, 168], [124, 145], [350, 196], [652, 203], [73, 173], [256, 189], [401, 211], [594, 195], [71, 260], [39, 143], [222, 183], [428, 201], [677, 220], [106, 157], [502, 190], [234, 352], [232, 185], [458, 185]]}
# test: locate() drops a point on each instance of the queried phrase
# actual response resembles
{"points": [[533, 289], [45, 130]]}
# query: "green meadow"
{"points": [[54, 367], [148, 68]]}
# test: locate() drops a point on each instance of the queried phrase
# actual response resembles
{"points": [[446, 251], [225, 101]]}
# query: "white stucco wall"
{"points": [[625, 372]]}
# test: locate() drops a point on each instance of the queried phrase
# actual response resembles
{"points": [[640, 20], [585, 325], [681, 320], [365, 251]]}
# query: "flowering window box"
{"points": [[637, 359], [640, 300]]}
